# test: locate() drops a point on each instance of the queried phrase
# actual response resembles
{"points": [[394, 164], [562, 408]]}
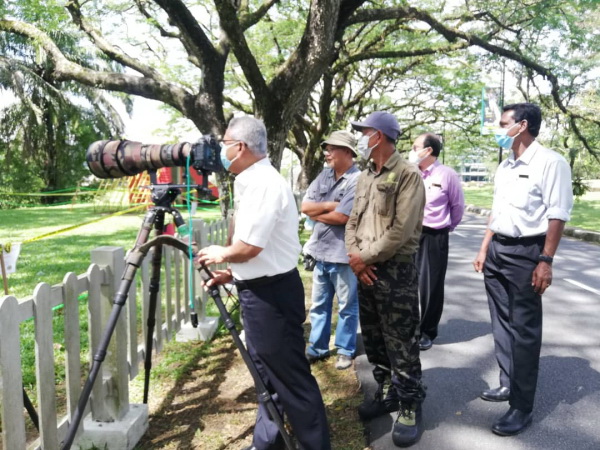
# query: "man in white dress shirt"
{"points": [[263, 256], [532, 201]]}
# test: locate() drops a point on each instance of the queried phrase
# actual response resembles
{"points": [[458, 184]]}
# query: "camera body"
{"points": [[122, 158]]}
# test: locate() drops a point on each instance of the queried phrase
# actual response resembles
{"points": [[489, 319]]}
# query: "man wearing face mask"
{"points": [[382, 236], [263, 255], [532, 201], [444, 209], [328, 201]]}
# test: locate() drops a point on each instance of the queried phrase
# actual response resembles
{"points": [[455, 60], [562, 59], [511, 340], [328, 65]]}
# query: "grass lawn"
{"points": [[585, 214]]}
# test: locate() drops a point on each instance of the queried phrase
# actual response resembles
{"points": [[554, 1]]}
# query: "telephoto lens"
{"points": [[117, 159]]}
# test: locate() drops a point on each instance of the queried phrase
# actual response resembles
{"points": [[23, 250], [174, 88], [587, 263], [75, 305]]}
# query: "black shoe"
{"points": [[425, 343], [500, 394], [252, 447], [407, 428], [513, 422], [375, 407]]}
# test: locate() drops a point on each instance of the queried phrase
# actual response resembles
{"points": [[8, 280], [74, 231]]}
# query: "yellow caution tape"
{"points": [[63, 230]]}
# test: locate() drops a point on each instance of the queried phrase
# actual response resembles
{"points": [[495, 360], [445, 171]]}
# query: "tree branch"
{"points": [[106, 47], [163, 32], [63, 70], [232, 27], [250, 19], [382, 54]]}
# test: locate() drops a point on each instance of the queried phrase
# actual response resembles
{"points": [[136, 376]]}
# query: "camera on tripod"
{"points": [[121, 158]]}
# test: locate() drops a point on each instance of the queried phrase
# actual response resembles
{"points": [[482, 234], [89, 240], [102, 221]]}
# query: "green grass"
{"points": [[585, 214]]}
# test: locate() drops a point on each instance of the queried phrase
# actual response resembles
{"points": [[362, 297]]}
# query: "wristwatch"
{"points": [[545, 258]]}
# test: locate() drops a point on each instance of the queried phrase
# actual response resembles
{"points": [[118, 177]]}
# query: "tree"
{"points": [[267, 56], [46, 124]]}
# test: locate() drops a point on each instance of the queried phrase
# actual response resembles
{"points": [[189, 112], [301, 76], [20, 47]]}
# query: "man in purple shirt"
{"points": [[444, 208]]}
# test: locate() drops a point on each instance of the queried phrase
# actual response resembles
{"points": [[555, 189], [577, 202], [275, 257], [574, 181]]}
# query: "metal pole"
{"points": [[501, 102], [3, 270]]}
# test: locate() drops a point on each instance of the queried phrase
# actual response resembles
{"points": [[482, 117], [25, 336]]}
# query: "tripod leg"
{"points": [[131, 266], [154, 290], [31, 410], [263, 393]]}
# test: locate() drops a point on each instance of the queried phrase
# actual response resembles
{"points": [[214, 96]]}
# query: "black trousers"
{"points": [[516, 313], [432, 262], [273, 314]]}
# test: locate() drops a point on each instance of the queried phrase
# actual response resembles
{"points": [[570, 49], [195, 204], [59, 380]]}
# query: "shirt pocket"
{"points": [[519, 192], [339, 195], [384, 198], [322, 192]]}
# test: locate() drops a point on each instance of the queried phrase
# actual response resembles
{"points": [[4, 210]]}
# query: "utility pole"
{"points": [[501, 101]]}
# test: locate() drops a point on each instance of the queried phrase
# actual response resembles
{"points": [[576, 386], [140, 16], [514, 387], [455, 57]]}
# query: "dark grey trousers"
{"points": [[516, 313]]}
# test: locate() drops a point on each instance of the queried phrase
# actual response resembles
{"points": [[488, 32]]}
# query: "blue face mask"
{"points": [[503, 139], [226, 163]]}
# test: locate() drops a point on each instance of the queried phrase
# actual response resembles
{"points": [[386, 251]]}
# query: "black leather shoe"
{"points": [[500, 394], [513, 422], [425, 343]]}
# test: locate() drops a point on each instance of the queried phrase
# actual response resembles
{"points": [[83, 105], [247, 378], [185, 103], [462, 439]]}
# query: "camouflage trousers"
{"points": [[389, 321]]}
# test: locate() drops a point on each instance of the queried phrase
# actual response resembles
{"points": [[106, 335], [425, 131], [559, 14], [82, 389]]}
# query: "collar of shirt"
{"points": [[525, 158], [331, 173], [389, 164], [429, 170], [243, 178]]}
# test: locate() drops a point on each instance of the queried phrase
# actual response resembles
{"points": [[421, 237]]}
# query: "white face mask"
{"points": [[363, 146], [413, 157]]}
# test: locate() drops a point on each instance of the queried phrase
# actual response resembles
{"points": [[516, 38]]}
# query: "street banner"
{"points": [[491, 109]]}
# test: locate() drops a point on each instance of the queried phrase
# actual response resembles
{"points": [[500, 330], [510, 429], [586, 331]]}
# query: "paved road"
{"points": [[461, 363]]}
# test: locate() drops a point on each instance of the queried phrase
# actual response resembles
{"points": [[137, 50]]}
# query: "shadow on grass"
{"points": [[194, 395]]}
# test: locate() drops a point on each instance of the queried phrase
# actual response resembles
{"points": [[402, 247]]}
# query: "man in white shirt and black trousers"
{"points": [[263, 255], [533, 198]]}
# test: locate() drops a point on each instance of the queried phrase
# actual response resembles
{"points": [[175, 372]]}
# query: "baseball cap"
{"points": [[382, 121], [341, 139]]}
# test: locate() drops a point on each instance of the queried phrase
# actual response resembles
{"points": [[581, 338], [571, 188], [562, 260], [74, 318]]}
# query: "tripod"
{"points": [[162, 196]]}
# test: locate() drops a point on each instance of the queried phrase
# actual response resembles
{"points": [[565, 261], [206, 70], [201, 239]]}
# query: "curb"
{"points": [[577, 233]]}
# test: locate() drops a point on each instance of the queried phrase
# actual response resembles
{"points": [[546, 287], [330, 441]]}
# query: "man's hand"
{"points": [[479, 261], [356, 263], [219, 277], [542, 277], [367, 276], [214, 254]]}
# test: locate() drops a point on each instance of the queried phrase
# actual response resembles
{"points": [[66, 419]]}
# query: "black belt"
{"points": [[261, 281], [429, 230], [524, 240]]}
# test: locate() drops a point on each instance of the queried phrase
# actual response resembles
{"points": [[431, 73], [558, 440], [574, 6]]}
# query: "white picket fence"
{"points": [[111, 419]]}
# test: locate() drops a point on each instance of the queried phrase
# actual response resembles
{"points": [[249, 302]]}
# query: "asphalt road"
{"points": [[461, 363]]}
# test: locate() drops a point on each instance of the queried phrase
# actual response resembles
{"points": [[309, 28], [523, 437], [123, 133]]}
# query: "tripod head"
{"points": [[164, 194]]}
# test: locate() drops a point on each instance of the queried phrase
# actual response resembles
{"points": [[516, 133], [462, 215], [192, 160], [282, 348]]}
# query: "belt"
{"points": [[261, 281], [429, 230], [523, 240], [400, 258]]}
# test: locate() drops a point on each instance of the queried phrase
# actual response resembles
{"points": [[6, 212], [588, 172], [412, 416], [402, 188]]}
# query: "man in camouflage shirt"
{"points": [[382, 236]]}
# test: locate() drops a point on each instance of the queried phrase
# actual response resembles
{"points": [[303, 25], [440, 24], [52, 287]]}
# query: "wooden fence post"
{"points": [[44, 365], [115, 367], [13, 422]]}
